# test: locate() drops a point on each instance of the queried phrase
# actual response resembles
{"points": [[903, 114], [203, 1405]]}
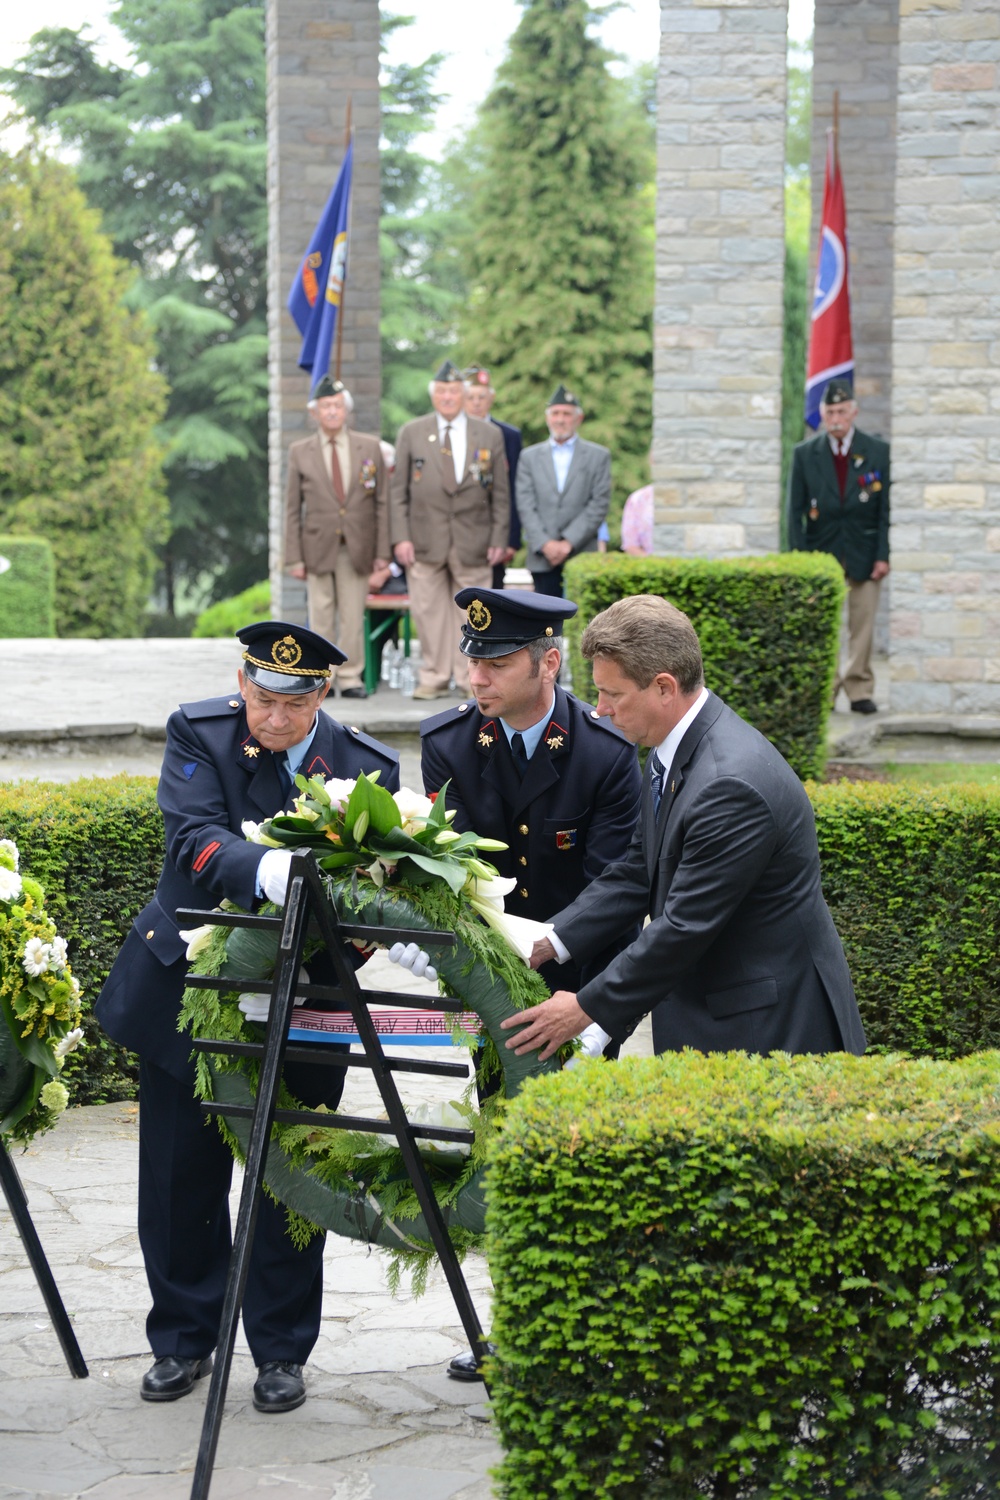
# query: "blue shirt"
{"points": [[562, 457], [532, 735]]}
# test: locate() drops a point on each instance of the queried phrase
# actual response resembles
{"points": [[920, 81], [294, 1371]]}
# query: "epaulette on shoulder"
{"points": [[448, 716], [212, 708], [390, 756]]}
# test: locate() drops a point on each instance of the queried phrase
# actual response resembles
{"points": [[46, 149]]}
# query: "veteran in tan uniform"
{"points": [[337, 525], [449, 516]]}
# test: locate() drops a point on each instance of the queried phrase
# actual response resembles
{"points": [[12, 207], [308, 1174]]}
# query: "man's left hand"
{"points": [[879, 571], [556, 550], [496, 555], [547, 1026]]}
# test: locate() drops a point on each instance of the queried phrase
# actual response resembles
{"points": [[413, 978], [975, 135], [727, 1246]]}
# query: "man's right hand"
{"points": [[404, 554], [297, 570]]}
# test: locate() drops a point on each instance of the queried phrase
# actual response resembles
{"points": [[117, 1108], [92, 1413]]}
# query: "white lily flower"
{"points": [[60, 953], [74, 985], [10, 884], [251, 832], [339, 790], [414, 808], [446, 1114], [491, 888], [197, 939], [9, 848], [69, 1042], [35, 958]]}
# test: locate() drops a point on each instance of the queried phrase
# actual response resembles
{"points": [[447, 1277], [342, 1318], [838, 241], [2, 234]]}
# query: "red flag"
{"points": [[830, 349]]}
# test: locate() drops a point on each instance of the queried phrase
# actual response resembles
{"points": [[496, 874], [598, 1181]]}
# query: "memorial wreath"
{"points": [[389, 860], [39, 1006]]}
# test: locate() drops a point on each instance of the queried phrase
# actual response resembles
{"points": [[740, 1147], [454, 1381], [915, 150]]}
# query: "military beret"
{"points": [[562, 397], [328, 387], [837, 389], [501, 621], [448, 373], [286, 658]]}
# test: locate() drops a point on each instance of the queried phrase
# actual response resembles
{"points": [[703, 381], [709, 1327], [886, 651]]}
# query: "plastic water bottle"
{"points": [[388, 657], [407, 678]]}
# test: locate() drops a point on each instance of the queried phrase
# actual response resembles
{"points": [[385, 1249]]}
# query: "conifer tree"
{"points": [[172, 151], [561, 259], [79, 402]]}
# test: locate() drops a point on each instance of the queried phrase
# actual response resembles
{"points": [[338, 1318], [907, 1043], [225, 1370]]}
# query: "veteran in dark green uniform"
{"points": [[838, 502]]}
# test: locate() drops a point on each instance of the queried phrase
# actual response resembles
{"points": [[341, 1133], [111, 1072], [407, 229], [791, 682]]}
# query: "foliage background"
{"points": [[79, 464]]}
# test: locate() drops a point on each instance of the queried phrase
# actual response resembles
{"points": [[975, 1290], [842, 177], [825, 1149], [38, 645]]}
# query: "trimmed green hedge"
{"points": [[769, 630], [230, 615], [749, 1277], [96, 848], [27, 587], [912, 876]]}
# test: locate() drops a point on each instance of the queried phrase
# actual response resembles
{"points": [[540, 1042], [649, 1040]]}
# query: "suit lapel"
{"points": [[319, 465], [686, 751]]}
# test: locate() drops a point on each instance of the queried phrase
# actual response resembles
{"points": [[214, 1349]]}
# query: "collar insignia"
{"points": [[252, 751], [487, 734], [555, 736]]}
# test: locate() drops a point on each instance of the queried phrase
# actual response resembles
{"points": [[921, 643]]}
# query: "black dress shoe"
{"points": [[464, 1367], [279, 1386], [171, 1376], [354, 692], [864, 706]]}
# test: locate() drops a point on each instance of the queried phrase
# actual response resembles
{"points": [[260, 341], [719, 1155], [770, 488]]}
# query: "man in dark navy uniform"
{"points": [[530, 764], [227, 760]]}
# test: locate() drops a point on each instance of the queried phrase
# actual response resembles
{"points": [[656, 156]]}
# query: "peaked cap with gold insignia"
{"points": [[500, 621], [285, 658]]}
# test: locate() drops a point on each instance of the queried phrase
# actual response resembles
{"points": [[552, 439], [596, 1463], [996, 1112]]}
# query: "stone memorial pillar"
{"points": [[720, 255], [319, 54], [945, 579], [856, 53]]}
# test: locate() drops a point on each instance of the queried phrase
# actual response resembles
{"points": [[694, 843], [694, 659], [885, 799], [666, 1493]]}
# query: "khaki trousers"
{"points": [[337, 611], [857, 678], [438, 620]]}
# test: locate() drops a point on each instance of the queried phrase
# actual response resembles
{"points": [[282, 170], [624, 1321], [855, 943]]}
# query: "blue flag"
{"points": [[316, 294]]}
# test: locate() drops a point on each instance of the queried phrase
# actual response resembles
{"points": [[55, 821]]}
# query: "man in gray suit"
{"points": [[740, 953], [563, 493]]}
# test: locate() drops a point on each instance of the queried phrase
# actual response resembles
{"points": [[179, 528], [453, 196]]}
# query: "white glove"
{"points": [[409, 956], [593, 1040], [272, 874], [258, 1007]]}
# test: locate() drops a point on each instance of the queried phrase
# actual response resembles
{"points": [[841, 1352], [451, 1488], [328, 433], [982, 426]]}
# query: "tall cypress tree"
{"points": [[79, 402], [173, 153], [562, 250]]}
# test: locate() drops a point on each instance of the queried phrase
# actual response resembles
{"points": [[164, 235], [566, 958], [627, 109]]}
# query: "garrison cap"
{"points": [[837, 389], [476, 375], [284, 658], [501, 621], [328, 387], [448, 373], [562, 397]]}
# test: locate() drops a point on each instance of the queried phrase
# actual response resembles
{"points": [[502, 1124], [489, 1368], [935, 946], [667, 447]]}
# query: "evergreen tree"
{"points": [[423, 282], [562, 244], [79, 402], [173, 153]]}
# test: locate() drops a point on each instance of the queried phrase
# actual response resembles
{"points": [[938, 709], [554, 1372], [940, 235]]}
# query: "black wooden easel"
{"points": [[306, 903], [17, 1202]]}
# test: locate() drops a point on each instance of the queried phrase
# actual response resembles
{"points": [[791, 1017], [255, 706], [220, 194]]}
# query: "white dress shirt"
{"points": [[459, 440], [841, 446], [562, 457]]}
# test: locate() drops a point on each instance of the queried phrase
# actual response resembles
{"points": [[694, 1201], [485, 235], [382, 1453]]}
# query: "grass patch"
{"points": [[944, 772]]}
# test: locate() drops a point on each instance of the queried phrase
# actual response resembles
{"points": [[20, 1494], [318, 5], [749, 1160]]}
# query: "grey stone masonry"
{"points": [[945, 582], [719, 277], [319, 54], [855, 52]]}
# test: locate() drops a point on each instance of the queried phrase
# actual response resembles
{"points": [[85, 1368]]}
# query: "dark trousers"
{"points": [[185, 1172], [549, 583]]}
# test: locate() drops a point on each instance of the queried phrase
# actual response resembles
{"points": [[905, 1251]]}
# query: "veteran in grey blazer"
{"points": [[740, 953], [563, 493]]}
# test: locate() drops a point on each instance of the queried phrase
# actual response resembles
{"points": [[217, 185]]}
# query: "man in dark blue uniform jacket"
{"points": [[530, 764], [227, 760]]}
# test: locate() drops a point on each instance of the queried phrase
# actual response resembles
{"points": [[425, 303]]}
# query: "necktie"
{"points": [[656, 782], [519, 753], [336, 476], [447, 461], [284, 772]]}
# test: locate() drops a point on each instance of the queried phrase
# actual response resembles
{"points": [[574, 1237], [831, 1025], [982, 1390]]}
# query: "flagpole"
{"points": [[348, 130], [836, 126]]}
